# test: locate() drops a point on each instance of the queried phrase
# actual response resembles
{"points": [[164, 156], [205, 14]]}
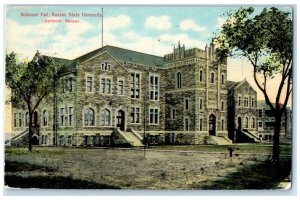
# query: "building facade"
{"points": [[242, 106], [266, 123], [115, 96]]}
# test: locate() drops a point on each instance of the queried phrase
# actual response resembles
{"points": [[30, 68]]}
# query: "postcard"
{"points": [[148, 97]]}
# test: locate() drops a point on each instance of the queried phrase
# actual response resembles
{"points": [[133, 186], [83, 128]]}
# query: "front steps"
{"points": [[131, 137], [217, 140]]}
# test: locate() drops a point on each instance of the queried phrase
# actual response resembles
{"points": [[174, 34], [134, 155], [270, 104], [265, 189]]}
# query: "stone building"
{"points": [[266, 122], [242, 106], [115, 96]]}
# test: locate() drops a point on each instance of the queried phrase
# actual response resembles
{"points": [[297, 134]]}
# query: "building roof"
{"points": [[233, 84], [125, 55], [67, 65]]}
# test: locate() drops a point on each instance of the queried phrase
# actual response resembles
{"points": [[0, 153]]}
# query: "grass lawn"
{"points": [[238, 148], [87, 168]]}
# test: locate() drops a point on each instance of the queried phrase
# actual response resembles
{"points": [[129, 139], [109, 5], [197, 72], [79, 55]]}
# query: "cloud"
{"points": [[26, 39], [220, 22], [184, 39], [161, 23], [189, 24], [120, 21]]}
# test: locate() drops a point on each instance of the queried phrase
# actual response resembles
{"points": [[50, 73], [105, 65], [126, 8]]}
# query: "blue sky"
{"points": [[153, 30]]}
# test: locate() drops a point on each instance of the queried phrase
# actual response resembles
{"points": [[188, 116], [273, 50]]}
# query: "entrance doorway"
{"points": [[35, 140], [239, 123], [121, 120], [212, 124]]}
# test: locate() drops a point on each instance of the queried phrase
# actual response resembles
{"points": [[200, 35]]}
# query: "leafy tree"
{"points": [[31, 83], [265, 40]]}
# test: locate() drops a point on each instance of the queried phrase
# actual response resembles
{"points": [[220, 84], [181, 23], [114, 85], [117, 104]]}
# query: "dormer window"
{"points": [[105, 66]]}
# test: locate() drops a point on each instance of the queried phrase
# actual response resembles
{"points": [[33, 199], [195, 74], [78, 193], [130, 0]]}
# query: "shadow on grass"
{"points": [[45, 182], [52, 182], [262, 175]]}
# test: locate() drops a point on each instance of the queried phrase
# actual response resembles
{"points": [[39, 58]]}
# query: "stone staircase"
{"points": [[245, 136], [216, 140], [132, 137], [20, 139]]}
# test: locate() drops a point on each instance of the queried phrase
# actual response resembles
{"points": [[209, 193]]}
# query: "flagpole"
{"points": [[102, 26]]}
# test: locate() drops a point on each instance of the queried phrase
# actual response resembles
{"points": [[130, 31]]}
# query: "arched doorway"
{"points": [[121, 120], [239, 123], [35, 140], [35, 118], [212, 124]]}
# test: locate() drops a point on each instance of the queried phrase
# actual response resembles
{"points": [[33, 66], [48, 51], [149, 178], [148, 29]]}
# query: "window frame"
{"points": [[154, 113], [154, 88]]}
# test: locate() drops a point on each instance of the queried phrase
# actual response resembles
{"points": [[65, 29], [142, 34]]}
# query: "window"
{"points": [[252, 102], [260, 113], [253, 122], [26, 119], [105, 66], [63, 85], [121, 87], [201, 124], [45, 118], [222, 124], [178, 79], [70, 140], [135, 115], [222, 106], [246, 122], [186, 124], [135, 85], [89, 83], [201, 104], [154, 87], [222, 79], [201, 75], [173, 113], [61, 140], [15, 119], [62, 116], [71, 112], [105, 118], [186, 104], [70, 81], [246, 101], [260, 124], [20, 119], [154, 116], [105, 86], [240, 100], [46, 139], [212, 77], [89, 117]]}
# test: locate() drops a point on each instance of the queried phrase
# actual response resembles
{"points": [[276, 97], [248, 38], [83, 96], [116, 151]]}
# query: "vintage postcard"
{"points": [[148, 97]]}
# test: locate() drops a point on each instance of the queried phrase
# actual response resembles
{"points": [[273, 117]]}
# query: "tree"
{"points": [[31, 83], [265, 40]]}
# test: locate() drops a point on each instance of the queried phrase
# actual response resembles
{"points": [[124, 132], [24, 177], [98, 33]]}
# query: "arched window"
{"points": [[26, 119], [212, 77], [45, 118], [201, 75], [253, 122], [247, 122], [89, 117], [105, 118], [222, 79], [179, 80]]}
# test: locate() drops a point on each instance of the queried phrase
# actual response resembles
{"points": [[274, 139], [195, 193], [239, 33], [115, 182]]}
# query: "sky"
{"points": [[154, 30]]}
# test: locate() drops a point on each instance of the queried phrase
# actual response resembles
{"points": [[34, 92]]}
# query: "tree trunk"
{"points": [[30, 131], [276, 149]]}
